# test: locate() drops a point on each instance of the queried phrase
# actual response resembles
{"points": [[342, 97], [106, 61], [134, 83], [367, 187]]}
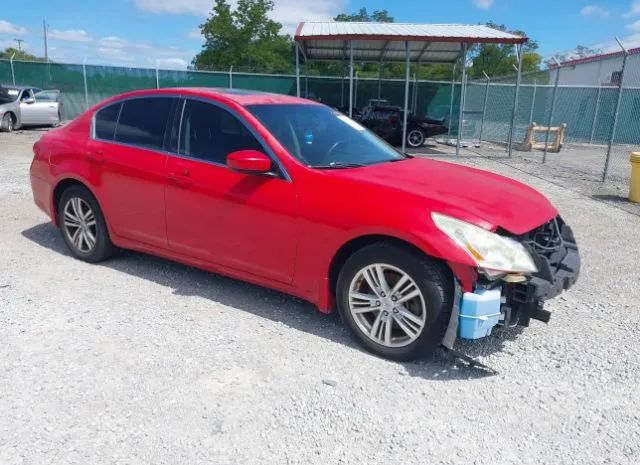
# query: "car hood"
{"points": [[486, 199], [6, 105]]}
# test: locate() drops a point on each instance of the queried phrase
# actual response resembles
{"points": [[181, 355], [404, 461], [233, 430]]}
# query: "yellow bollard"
{"points": [[634, 187]]}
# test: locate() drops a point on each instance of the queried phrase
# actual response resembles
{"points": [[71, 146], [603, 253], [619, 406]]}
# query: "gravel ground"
{"points": [[139, 360]]}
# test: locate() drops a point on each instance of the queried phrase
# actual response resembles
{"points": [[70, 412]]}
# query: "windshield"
{"points": [[7, 94], [323, 138]]}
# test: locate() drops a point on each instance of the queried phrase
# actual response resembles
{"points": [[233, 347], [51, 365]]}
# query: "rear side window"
{"points": [[106, 119], [210, 133], [143, 122]]}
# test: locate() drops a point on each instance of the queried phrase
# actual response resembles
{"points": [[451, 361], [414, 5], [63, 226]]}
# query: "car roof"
{"points": [[11, 86], [242, 97]]}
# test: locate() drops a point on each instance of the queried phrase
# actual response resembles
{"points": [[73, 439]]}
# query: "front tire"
{"points": [[83, 226], [7, 123], [416, 138], [396, 302]]}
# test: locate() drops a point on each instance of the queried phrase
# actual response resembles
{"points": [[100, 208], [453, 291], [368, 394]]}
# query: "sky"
{"points": [[165, 32]]}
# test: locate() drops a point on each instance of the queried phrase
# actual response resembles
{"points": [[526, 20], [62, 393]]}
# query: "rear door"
{"points": [[128, 150], [242, 221]]}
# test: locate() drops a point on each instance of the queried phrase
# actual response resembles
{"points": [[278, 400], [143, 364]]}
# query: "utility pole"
{"points": [[46, 45], [19, 44]]}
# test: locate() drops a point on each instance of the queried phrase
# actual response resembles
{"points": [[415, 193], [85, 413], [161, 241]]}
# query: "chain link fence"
{"points": [[598, 99], [595, 99]]}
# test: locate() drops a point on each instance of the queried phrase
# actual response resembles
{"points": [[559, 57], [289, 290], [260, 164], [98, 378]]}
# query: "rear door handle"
{"points": [[179, 181]]}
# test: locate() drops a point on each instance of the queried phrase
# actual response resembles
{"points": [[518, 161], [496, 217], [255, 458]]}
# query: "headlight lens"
{"points": [[489, 250]]}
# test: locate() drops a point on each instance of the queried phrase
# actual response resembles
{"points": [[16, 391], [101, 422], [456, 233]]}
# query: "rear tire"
{"points": [[378, 315], [83, 226], [7, 123]]}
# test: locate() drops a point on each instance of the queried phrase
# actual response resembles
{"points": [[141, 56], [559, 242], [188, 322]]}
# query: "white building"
{"points": [[599, 70]]}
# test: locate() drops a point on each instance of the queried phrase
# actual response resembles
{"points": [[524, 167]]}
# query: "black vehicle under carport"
{"points": [[386, 121]]}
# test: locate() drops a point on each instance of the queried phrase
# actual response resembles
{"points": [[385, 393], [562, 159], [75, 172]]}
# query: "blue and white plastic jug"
{"points": [[479, 313]]}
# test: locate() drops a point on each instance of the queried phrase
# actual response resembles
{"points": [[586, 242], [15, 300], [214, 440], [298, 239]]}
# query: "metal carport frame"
{"points": [[398, 42]]}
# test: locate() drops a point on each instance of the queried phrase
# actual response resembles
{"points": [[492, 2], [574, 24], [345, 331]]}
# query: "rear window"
{"points": [[106, 119], [143, 122]]}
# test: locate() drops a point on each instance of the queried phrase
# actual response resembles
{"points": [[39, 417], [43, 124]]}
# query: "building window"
{"points": [[616, 76]]}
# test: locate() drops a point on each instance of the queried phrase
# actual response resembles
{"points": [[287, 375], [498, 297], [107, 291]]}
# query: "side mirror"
{"points": [[249, 162], [29, 100]]}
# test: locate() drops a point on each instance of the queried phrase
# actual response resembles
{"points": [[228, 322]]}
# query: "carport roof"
{"points": [[428, 43]]}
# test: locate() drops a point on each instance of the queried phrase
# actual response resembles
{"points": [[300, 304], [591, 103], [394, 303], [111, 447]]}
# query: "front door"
{"points": [[45, 108], [245, 222], [28, 110]]}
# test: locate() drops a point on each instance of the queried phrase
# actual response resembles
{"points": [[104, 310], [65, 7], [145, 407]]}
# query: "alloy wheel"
{"points": [[80, 224], [415, 138], [387, 305], [8, 123]]}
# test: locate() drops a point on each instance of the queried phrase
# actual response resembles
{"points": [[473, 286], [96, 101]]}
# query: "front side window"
{"points": [[323, 138], [26, 95], [105, 121], [210, 133], [143, 121]]}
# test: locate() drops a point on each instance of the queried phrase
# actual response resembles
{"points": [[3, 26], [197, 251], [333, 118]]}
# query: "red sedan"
{"points": [[292, 195]]}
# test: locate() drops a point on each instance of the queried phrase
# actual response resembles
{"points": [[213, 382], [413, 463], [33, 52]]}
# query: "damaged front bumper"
{"points": [[555, 253], [496, 302]]}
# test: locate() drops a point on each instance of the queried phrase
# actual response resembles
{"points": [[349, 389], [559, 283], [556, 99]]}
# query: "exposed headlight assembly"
{"points": [[492, 252]]}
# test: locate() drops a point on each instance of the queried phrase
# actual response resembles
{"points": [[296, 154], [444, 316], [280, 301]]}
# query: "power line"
{"points": [[19, 43]]}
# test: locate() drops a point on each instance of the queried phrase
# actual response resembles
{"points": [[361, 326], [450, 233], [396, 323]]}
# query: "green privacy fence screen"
{"points": [[587, 111]]}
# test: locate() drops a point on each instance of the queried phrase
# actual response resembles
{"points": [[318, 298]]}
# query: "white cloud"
{"points": [[117, 50], [595, 11], [634, 10], [113, 42], [634, 27], [6, 43], [287, 12], [70, 35], [9, 28], [195, 34], [483, 4], [198, 7], [172, 63], [115, 54]]}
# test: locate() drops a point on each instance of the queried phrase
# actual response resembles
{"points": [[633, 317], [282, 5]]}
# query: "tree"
{"points": [[580, 51], [245, 38], [500, 59], [378, 16], [19, 55]]}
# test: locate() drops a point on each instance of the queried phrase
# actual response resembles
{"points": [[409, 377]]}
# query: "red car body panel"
{"points": [[245, 222], [276, 232]]}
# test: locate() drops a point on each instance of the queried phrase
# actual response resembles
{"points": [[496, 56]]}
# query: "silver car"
{"points": [[28, 106]]}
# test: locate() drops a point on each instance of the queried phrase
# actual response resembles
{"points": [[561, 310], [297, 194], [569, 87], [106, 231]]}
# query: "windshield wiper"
{"points": [[336, 165]]}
